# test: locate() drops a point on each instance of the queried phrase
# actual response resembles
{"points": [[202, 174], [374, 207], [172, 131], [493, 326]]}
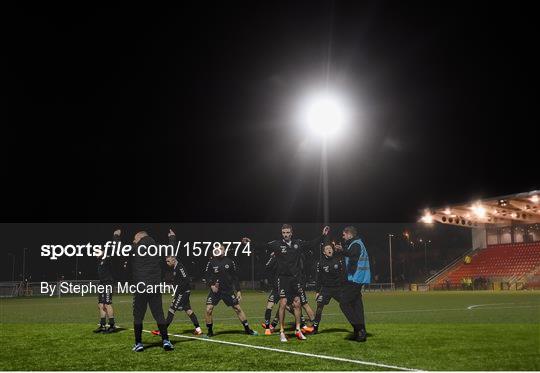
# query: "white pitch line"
{"points": [[490, 304], [503, 308], [404, 311], [297, 353]]}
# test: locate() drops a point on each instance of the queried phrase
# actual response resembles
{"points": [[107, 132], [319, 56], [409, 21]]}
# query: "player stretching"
{"points": [[328, 282], [147, 270], [288, 255], [221, 275], [180, 300], [105, 298], [273, 298]]}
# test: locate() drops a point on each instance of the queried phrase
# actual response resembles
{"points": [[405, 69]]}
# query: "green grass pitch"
{"points": [[428, 331]]}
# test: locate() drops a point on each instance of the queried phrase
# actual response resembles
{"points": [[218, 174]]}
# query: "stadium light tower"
{"points": [[24, 264], [390, 254], [12, 266], [425, 242], [325, 114]]}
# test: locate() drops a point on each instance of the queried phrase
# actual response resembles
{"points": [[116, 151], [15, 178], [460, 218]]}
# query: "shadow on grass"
{"points": [[185, 331], [159, 344], [116, 330], [333, 330], [148, 346], [239, 331]]}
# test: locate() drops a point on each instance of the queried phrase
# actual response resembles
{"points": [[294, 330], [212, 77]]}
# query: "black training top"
{"points": [[223, 272], [180, 274], [104, 271], [271, 268], [105, 267], [289, 255], [147, 269], [329, 272], [181, 277]]}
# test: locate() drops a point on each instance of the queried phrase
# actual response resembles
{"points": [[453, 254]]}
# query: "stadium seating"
{"points": [[505, 261]]}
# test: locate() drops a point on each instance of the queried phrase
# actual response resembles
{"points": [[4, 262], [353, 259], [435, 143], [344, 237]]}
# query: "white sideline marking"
{"points": [[296, 353], [490, 304], [420, 310]]}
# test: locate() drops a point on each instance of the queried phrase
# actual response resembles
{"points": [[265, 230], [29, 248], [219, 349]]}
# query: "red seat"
{"points": [[504, 260]]}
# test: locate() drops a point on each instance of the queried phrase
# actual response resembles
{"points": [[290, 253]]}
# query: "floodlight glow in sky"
{"points": [[479, 210], [325, 113], [427, 218]]}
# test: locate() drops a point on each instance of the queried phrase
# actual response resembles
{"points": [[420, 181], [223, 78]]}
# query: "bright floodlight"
{"points": [[479, 211], [427, 218], [325, 114]]}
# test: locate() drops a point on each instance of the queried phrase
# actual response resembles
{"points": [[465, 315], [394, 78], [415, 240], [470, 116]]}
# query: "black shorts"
{"points": [[273, 297], [302, 295], [105, 298], [180, 301], [229, 298], [327, 293], [288, 287]]}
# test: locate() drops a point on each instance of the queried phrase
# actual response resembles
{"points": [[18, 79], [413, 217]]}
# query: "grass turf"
{"points": [[430, 331]]}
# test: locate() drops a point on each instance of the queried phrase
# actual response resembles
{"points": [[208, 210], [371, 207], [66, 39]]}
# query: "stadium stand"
{"points": [[505, 236], [505, 262]]}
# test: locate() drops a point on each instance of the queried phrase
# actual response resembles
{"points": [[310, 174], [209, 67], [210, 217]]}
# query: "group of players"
{"points": [[341, 272]]}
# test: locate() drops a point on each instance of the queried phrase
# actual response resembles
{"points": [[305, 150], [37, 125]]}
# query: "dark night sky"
{"points": [[186, 114]]}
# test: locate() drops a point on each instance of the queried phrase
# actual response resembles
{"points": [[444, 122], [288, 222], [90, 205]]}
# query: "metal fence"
{"points": [[33, 289], [10, 289], [380, 287]]}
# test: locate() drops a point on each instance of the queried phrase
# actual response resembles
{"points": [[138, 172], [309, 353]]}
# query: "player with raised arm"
{"points": [[328, 281], [273, 298], [147, 270], [222, 276], [289, 277], [180, 300], [105, 298]]}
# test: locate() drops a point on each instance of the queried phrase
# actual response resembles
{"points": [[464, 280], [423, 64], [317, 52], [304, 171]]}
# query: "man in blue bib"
{"points": [[356, 274]]}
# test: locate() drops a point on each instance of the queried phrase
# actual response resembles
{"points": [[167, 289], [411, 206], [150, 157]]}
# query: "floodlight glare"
{"points": [[325, 114], [479, 211], [427, 218]]}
